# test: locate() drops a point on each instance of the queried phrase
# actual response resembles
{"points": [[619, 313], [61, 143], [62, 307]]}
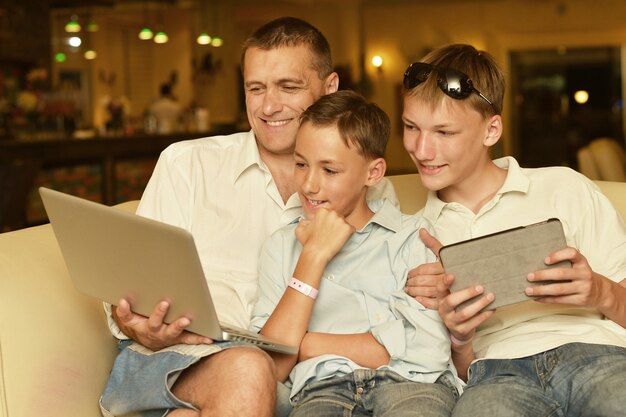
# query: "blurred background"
{"points": [[88, 87]]}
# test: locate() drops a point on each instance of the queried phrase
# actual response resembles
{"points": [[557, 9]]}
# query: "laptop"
{"points": [[112, 254]]}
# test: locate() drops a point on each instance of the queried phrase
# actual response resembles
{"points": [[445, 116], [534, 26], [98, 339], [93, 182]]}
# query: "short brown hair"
{"points": [[290, 32], [481, 68], [360, 123]]}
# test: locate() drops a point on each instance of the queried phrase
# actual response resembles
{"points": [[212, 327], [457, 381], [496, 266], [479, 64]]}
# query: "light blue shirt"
{"points": [[362, 291]]}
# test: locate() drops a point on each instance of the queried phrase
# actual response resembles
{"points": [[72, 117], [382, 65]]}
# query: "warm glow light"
{"points": [[145, 34], [581, 96], [92, 27], [217, 41], [160, 37], [75, 41], [203, 39], [377, 61], [60, 57], [90, 54], [72, 26]]}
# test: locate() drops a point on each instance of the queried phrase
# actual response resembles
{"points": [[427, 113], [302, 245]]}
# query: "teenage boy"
{"points": [[332, 281], [230, 192], [563, 354]]}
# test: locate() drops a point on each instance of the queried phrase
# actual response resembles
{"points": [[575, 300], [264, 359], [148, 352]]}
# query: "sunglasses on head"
{"points": [[453, 83]]}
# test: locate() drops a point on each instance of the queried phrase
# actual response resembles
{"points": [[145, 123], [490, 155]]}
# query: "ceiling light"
{"points": [[75, 41], [203, 39], [72, 26], [145, 34], [217, 41], [160, 37]]}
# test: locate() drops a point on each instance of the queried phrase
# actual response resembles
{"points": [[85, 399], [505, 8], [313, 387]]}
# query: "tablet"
{"points": [[501, 261]]}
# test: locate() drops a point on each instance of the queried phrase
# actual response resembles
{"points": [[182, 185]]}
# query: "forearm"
{"points": [[289, 321], [462, 357], [613, 301], [362, 349]]}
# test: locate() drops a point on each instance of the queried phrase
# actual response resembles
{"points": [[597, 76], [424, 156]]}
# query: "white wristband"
{"points": [[458, 342], [304, 288]]}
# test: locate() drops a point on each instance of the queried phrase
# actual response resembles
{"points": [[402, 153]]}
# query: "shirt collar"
{"points": [[249, 156], [385, 214], [515, 181]]}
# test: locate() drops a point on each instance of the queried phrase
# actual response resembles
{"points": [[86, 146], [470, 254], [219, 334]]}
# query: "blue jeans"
{"points": [[369, 392], [572, 380]]}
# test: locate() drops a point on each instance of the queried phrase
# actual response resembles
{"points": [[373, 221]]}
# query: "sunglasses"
{"points": [[453, 83]]}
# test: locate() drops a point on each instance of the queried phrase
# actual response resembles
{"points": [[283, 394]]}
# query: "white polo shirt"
{"points": [[220, 190], [591, 225]]}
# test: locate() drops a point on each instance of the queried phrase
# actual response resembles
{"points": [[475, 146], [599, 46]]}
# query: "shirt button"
{"points": [[331, 277], [377, 317], [359, 390]]}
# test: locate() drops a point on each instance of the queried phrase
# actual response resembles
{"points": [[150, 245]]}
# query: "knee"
{"points": [[252, 363]]}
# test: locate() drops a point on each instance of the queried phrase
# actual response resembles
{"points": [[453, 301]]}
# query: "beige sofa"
{"points": [[55, 348]]}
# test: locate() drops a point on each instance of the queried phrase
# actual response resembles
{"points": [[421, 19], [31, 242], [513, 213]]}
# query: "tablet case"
{"points": [[501, 261]]}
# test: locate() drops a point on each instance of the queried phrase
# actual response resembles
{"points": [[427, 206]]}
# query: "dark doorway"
{"points": [[549, 124]]}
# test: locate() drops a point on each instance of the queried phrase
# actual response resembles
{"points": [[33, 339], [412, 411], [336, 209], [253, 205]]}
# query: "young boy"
{"points": [[332, 282], [562, 355]]}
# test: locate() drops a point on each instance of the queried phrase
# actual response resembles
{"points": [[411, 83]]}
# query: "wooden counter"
{"points": [[104, 151]]}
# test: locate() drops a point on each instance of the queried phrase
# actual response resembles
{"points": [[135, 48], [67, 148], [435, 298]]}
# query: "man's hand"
{"points": [[426, 282], [151, 331]]}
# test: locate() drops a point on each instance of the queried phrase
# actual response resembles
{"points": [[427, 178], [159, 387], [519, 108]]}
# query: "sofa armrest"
{"points": [[56, 350]]}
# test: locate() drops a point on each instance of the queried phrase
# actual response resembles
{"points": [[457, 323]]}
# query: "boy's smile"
{"points": [[449, 144], [330, 174]]}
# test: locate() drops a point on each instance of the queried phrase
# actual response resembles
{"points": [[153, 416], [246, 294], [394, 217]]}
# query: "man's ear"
{"points": [[376, 171], [331, 83], [494, 130]]}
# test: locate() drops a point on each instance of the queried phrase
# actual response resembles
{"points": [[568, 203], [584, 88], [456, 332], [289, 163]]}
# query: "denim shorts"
{"points": [[367, 392], [140, 382]]}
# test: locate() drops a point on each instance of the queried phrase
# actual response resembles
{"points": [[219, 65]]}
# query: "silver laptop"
{"points": [[112, 254]]}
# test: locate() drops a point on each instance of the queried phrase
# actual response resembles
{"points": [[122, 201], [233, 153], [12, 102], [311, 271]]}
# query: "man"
{"points": [[563, 354], [166, 111], [231, 192]]}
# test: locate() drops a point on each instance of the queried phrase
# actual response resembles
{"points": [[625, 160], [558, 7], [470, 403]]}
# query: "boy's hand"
{"points": [[426, 282], [462, 324], [325, 234], [151, 331], [577, 285]]}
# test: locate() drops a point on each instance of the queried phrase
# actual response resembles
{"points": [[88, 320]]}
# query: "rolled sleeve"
{"points": [[417, 340], [392, 336]]}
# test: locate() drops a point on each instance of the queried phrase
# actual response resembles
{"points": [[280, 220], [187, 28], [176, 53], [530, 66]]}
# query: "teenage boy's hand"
{"points": [[151, 331], [325, 234], [579, 285], [425, 282], [462, 323]]}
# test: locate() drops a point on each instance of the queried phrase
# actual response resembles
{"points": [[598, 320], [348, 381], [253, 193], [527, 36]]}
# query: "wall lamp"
{"points": [[377, 62]]}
